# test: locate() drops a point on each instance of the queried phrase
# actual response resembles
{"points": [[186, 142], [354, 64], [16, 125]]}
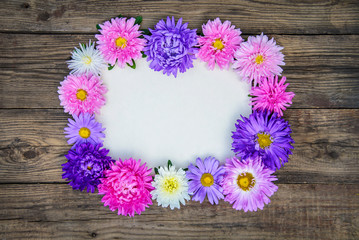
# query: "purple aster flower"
{"points": [[206, 179], [86, 165], [171, 47], [247, 184], [264, 135], [84, 129]]}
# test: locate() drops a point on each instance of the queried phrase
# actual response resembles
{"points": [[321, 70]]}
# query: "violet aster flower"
{"points": [[84, 129], [271, 95], [206, 179], [219, 43], [247, 184], [171, 47], [85, 166], [263, 134], [258, 57]]}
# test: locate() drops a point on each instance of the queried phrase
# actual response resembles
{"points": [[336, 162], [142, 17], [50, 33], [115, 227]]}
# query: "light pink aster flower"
{"points": [[119, 41], [219, 43], [82, 94], [247, 184], [258, 57], [271, 95], [126, 187]]}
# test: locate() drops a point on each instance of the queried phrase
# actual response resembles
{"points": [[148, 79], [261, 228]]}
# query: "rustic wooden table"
{"points": [[318, 196]]}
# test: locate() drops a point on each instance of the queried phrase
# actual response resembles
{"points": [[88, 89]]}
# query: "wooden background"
{"points": [[318, 196]]}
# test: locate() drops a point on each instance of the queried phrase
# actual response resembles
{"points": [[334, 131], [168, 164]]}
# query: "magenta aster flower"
{"points": [[219, 43], [119, 41], [258, 57], [126, 187], [84, 129], [206, 179], [271, 95], [85, 166], [263, 134], [171, 47], [82, 94], [247, 184]]}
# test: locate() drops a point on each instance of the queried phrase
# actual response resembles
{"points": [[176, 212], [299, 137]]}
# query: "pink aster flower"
{"points": [[119, 41], [82, 94], [271, 95], [247, 184], [219, 43], [258, 57], [126, 187]]}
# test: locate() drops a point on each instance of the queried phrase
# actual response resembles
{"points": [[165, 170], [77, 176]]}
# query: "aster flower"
{"points": [[258, 57], [82, 94], [119, 41], [271, 95], [247, 184], [171, 187], [85, 166], [171, 47], [219, 43], [126, 187], [87, 59], [206, 179], [84, 129], [263, 134]]}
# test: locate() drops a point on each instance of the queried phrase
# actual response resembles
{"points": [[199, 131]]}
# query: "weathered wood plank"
{"points": [[291, 17], [326, 150], [296, 211], [322, 72]]}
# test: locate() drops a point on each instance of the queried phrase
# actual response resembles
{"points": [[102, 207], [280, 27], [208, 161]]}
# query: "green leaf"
{"points": [[110, 66], [143, 54], [145, 32], [156, 170], [169, 164], [133, 64], [138, 20], [185, 169], [98, 27], [83, 45], [120, 16], [250, 96]]}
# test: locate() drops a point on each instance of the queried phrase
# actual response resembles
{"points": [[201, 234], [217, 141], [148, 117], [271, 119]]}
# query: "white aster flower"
{"points": [[87, 59], [171, 187]]}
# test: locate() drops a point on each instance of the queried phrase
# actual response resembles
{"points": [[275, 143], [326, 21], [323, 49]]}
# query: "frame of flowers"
{"points": [[261, 142]]}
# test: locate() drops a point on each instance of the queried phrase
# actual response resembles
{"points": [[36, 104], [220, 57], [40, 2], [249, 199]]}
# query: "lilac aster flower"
{"points": [[264, 135], [171, 47], [206, 179], [85, 166], [247, 184], [84, 129]]}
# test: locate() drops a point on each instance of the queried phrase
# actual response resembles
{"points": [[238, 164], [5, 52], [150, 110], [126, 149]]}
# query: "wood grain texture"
{"points": [[296, 211], [289, 17], [322, 70], [33, 146]]}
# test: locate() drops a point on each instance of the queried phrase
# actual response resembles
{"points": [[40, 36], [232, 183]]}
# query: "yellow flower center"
{"points": [[246, 181], [87, 60], [207, 179], [264, 140], [89, 168], [218, 44], [259, 59], [84, 132], [121, 42], [81, 94], [170, 184]]}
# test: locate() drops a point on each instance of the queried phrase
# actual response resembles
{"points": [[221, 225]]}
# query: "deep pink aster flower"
{"points": [[127, 187], [258, 57], [119, 40], [271, 95], [219, 43], [247, 184], [82, 94]]}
